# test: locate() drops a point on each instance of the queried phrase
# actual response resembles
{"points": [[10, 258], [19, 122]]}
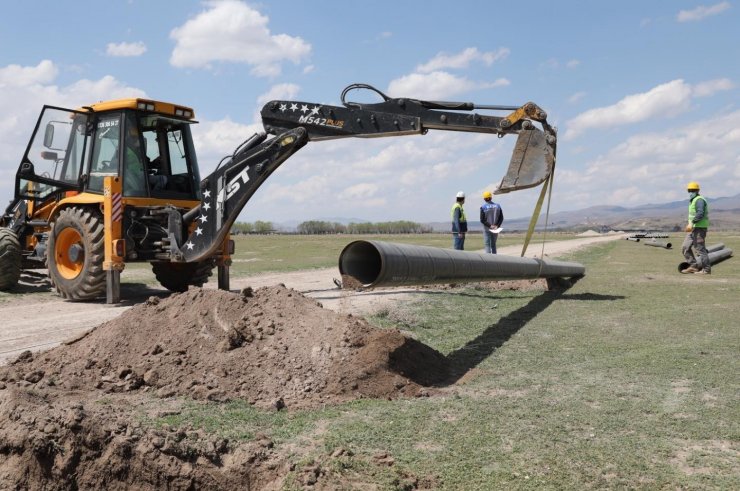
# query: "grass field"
{"points": [[627, 380]]}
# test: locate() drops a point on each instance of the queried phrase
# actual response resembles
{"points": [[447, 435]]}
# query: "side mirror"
{"points": [[49, 135], [49, 155]]}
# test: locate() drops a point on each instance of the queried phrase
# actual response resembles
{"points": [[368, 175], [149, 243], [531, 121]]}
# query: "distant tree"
{"points": [[242, 228], [261, 227]]}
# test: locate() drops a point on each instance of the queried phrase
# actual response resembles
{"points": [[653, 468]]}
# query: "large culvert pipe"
{"points": [[655, 243], [375, 263], [715, 247], [714, 257]]}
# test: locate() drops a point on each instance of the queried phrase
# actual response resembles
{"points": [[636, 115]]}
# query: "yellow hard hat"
{"points": [[487, 195], [693, 186]]}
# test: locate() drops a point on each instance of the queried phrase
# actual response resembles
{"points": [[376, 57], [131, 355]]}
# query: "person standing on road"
{"points": [[459, 222], [694, 246], [491, 216]]}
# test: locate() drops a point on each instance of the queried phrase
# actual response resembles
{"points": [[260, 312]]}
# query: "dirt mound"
{"points": [[272, 347]]}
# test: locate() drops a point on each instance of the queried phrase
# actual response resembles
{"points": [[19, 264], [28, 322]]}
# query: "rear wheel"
{"points": [[76, 253], [178, 277], [10, 259]]}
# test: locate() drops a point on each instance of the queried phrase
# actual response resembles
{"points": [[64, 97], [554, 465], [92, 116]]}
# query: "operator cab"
{"points": [[148, 144]]}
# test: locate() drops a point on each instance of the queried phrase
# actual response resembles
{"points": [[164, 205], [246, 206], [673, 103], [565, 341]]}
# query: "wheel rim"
{"points": [[69, 253]]}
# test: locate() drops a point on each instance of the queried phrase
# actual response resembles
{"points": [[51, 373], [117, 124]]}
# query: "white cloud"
{"points": [[654, 167], [702, 12], [572, 63], [361, 191], [710, 87], [437, 85], [280, 91], [664, 100], [462, 59], [16, 75], [232, 31], [576, 97], [125, 49]]}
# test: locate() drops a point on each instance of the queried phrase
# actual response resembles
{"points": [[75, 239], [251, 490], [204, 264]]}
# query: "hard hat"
{"points": [[460, 194], [693, 186], [487, 195]]}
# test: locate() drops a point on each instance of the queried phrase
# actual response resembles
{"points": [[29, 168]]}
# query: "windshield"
{"points": [[56, 153]]}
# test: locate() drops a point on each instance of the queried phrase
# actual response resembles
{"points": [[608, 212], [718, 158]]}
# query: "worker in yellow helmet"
{"points": [[694, 246], [491, 216]]}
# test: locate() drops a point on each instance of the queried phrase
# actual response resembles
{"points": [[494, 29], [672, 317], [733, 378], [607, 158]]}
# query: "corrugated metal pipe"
{"points": [[655, 243], [715, 247], [374, 263], [714, 257]]}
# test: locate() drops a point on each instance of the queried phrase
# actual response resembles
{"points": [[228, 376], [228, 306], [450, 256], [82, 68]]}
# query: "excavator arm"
{"points": [[531, 163], [226, 191]]}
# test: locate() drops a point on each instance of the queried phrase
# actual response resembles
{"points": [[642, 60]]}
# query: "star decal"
{"points": [[283, 107], [189, 245], [198, 231], [304, 108], [207, 193], [203, 219], [315, 110], [206, 206], [294, 107]]}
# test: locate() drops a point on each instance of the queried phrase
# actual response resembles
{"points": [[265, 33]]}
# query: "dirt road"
{"points": [[38, 319]]}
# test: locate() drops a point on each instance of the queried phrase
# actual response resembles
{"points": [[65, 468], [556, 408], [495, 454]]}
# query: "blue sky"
{"points": [[644, 94]]}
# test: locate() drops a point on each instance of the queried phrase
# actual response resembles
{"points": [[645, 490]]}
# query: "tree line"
{"points": [[318, 227], [258, 227]]}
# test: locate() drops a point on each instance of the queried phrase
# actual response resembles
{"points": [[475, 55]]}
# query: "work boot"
{"points": [[690, 269], [703, 271]]}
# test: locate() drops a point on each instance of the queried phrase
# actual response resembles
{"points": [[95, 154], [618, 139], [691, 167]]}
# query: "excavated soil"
{"points": [[66, 414]]}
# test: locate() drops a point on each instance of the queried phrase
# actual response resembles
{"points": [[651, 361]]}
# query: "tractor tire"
{"points": [[10, 259], [178, 277], [76, 253]]}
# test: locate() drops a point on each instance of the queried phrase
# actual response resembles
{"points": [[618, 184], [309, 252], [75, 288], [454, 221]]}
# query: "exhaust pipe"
{"points": [[714, 257], [655, 243], [374, 263]]}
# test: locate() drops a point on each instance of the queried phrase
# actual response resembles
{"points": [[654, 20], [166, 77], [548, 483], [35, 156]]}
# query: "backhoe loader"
{"points": [[118, 181]]}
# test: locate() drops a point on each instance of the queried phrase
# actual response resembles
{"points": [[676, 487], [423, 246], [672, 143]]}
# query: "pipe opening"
{"points": [[362, 261]]}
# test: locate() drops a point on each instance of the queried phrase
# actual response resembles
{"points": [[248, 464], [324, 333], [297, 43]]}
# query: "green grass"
{"points": [[627, 380]]}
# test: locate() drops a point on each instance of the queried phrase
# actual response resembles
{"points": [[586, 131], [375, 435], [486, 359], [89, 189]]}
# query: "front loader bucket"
{"points": [[531, 162]]}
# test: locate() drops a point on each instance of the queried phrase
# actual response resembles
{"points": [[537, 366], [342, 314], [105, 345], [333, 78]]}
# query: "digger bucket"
{"points": [[531, 162]]}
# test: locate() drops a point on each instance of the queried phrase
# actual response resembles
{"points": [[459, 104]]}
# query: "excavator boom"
{"points": [[532, 160]]}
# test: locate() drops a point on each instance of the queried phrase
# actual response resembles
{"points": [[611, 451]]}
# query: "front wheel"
{"points": [[76, 254], [178, 277], [10, 259]]}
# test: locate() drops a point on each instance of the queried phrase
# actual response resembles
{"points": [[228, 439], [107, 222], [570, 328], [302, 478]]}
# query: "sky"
{"points": [[644, 94]]}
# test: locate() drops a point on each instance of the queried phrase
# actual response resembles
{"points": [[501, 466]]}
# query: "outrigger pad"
{"points": [[531, 162]]}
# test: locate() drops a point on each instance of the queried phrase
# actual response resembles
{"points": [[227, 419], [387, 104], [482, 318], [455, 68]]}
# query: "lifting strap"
{"points": [[536, 214]]}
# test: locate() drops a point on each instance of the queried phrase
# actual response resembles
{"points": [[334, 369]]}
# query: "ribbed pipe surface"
{"points": [[714, 257], [374, 263]]}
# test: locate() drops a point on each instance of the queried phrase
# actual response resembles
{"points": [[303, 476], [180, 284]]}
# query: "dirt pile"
{"points": [[272, 347]]}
